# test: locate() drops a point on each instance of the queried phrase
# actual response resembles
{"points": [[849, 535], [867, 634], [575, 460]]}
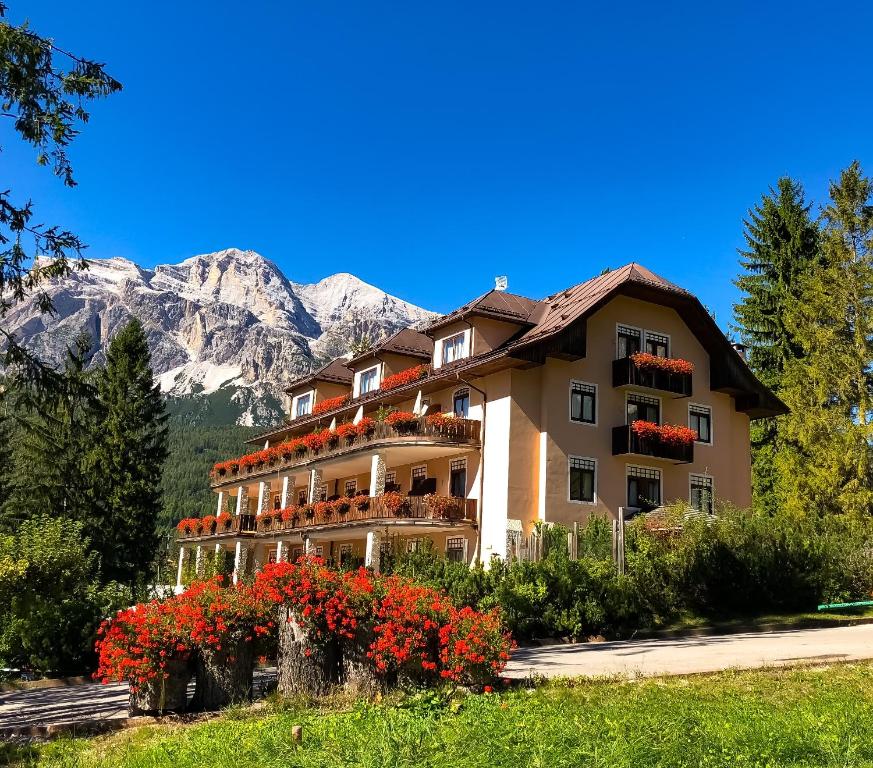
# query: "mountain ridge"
{"points": [[226, 319]]}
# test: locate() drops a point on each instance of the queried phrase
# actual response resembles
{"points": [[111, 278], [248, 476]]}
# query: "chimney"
{"points": [[740, 349], [501, 283]]}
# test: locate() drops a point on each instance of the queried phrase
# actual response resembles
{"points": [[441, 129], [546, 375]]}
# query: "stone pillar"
{"points": [[258, 557], [286, 489], [308, 546], [240, 560], [372, 556], [242, 501], [314, 485], [377, 475], [179, 586], [220, 506], [263, 497], [198, 561]]}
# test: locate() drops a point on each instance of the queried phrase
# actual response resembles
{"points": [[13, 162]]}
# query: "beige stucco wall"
{"points": [[727, 460]]}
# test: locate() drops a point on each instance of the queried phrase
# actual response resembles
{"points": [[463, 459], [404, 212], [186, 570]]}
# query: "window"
{"points": [[301, 497], [657, 344], [369, 381], [391, 481], [303, 405], [642, 408], [414, 545], [322, 493], [453, 348], [277, 501], [629, 341], [456, 549], [583, 473], [643, 488], [296, 554], [458, 478], [700, 420], [461, 403], [351, 487], [701, 496], [583, 399], [419, 477]]}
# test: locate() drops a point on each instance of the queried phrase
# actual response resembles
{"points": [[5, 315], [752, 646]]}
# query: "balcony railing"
{"points": [[626, 441], [457, 431], [414, 509], [625, 372]]}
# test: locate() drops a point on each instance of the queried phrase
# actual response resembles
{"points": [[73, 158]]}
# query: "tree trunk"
{"points": [[158, 696], [304, 668], [224, 677], [358, 672]]}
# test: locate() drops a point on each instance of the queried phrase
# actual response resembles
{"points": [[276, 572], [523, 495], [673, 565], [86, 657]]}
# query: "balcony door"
{"points": [[458, 479]]}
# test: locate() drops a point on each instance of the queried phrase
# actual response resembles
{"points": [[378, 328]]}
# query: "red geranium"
{"points": [[330, 404], [667, 434], [403, 377], [649, 362], [401, 419]]}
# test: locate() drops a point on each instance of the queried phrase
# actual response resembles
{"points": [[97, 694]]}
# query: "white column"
{"points": [[240, 492], [198, 560], [238, 561], [179, 571], [220, 507], [377, 475], [279, 548], [308, 546], [372, 557], [285, 491], [314, 485], [263, 496]]}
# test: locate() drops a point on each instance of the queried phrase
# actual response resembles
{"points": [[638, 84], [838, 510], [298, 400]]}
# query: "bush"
{"points": [[51, 602]]}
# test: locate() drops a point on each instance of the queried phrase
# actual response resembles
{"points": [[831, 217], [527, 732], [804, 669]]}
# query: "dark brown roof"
{"points": [[497, 304], [335, 372], [407, 341]]}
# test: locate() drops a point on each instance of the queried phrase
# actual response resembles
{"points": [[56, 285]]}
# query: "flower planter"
{"points": [[224, 676], [169, 694]]}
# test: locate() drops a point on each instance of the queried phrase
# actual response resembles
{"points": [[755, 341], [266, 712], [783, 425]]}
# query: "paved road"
{"points": [[89, 701], [628, 658], [689, 655]]}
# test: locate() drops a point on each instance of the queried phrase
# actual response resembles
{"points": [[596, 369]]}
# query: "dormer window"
{"points": [[369, 380], [454, 348], [302, 405], [628, 342]]}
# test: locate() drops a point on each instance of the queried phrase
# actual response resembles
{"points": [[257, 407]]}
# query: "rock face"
{"points": [[225, 319]]}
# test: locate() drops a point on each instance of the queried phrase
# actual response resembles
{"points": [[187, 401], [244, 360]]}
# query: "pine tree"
{"points": [[50, 445], [781, 247], [830, 394], [127, 459]]}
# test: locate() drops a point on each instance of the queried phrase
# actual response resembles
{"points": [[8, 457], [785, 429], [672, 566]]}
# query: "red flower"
{"points": [[649, 362], [667, 434], [404, 377], [330, 404]]}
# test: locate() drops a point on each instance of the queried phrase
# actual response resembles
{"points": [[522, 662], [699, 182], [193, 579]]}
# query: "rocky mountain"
{"points": [[226, 327]]}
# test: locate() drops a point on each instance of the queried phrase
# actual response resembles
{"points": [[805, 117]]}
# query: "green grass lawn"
{"points": [[816, 716]]}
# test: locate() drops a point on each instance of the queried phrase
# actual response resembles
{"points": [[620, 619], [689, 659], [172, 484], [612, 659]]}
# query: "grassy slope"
{"points": [[815, 716]]}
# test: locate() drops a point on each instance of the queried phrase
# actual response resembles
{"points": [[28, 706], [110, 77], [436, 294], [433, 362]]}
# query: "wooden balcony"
{"points": [[452, 432], [626, 441], [416, 509], [626, 373]]}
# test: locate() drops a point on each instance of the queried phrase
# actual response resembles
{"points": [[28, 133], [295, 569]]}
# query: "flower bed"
{"points": [[403, 377], [666, 434], [648, 362]]}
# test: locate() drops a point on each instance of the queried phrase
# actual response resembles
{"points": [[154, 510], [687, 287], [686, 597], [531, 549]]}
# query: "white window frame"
{"points": [[593, 502], [360, 374], [596, 403], [463, 548], [297, 398], [414, 544], [691, 476], [664, 335], [466, 347], [633, 328], [627, 469], [711, 440], [629, 394]]}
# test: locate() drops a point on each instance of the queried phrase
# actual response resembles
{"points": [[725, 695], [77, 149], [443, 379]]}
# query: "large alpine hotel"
{"points": [[618, 392]]}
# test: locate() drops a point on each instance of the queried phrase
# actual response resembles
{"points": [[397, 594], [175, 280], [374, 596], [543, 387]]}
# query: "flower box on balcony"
{"points": [[402, 422], [663, 441], [403, 377], [661, 373]]}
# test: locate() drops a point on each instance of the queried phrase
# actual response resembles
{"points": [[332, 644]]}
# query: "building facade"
{"points": [[618, 392]]}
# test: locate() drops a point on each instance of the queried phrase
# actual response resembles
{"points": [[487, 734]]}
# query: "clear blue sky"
{"points": [[428, 147]]}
